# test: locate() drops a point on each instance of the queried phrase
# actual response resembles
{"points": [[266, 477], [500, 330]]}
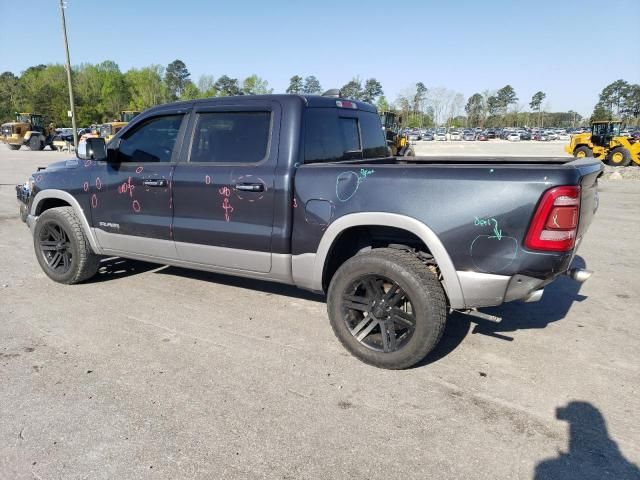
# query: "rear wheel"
{"points": [[62, 248], [387, 308], [582, 152], [619, 157], [13, 147]]}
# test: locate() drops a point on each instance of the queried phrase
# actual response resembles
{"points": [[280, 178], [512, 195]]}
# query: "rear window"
{"points": [[332, 135]]}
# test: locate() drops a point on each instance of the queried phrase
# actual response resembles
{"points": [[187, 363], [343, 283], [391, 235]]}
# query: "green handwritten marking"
{"points": [[497, 233], [364, 173], [487, 222]]}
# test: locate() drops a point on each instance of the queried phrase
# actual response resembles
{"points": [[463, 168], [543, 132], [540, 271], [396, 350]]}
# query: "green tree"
{"points": [[190, 91], [536, 104], [175, 78], [311, 86], [146, 87], [9, 86], [254, 85], [352, 89], [600, 112], [614, 95], [372, 90], [206, 85], [382, 105], [475, 110], [296, 85], [506, 96], [227, 86]]}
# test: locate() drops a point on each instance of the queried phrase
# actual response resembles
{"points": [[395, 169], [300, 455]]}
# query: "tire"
{"points": [[35, 143], [415, 319], [619, 157], [77, 262], [13, 147], [582, 152]]}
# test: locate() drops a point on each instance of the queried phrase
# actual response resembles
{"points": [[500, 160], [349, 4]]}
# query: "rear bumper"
{"points": [[488, 290]]}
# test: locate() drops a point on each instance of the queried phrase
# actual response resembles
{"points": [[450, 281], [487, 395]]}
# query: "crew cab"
{"points": [[301, 190]]}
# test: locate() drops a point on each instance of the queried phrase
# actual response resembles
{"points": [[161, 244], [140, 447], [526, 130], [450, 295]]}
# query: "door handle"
{"points": [[250, 187], [158, 182]]}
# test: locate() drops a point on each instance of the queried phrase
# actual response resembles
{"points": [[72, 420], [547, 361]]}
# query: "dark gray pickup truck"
{"points": [[301, 190]]}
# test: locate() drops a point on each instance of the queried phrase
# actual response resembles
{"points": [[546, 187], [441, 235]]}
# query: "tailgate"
{"points": [[590, 170]]}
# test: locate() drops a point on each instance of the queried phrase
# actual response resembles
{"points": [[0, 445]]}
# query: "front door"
{"points": [[131, 203], [224, 190]]}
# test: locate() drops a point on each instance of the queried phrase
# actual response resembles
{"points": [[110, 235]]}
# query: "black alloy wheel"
{"points": [[55, 247], [379, 313]]}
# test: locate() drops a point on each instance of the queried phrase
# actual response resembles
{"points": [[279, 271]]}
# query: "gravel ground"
{"points": [[160, 372]]}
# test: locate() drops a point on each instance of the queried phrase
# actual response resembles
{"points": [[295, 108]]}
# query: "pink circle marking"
{"points": [[136, 206], [207, 179], [139, 169], [94, 201], [85, 186], [98, 183]]}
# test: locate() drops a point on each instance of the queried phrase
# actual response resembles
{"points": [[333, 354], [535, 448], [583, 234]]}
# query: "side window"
{"points": [[152, 141], [231, 137]]}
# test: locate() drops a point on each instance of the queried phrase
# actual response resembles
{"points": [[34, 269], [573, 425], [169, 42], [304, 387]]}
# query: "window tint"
{"points": [[374, 144], [231, 137], [330, 137], [153, 141]]}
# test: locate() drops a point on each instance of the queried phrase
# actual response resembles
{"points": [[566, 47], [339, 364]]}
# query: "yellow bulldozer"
{"points": [[29, 129], [605, 143], [109, 129], [397, 141]]}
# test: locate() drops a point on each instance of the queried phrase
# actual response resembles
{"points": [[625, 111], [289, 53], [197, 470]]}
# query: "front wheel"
{"points": [[13, 147], [387, 308], [62, 248], [582, 152], [619, 157]]}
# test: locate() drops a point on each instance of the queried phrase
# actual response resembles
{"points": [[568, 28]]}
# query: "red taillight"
{"points": [[555, 222], [346, 104]]}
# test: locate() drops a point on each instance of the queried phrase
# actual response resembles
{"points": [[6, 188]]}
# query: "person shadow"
{"points": [[592, 454]]}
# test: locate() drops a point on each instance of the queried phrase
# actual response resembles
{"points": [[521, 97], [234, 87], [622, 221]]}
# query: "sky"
{"points": [[561, 47]]}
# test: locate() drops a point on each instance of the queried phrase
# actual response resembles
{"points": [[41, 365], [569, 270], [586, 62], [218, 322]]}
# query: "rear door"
{"points": [[131, 199], [224, 188]]}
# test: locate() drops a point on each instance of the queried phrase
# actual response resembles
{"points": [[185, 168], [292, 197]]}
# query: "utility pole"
{"points": [[71, 103]]}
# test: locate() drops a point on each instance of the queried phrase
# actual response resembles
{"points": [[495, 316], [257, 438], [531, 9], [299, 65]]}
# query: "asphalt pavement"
{"points": [[161, 372]]}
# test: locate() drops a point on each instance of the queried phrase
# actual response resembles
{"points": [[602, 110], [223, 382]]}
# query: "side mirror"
{"points": [[92, 149]]}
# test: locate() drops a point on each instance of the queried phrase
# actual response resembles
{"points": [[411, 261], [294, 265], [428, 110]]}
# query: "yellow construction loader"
{"points": [[605, 143], [397, 141], [29, 129], [109, 129]]}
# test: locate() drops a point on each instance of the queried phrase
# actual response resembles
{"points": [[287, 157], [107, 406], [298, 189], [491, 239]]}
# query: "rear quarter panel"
{"points": [[480, 212]]}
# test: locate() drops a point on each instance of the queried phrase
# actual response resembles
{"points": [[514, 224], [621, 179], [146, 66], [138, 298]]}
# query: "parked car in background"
{"points": [[482, 137], [454, 136], [469, 136], [564, 136], [551, 134], [525, 136], [441, 136], [491, 134], [428, 137], [513, 137], [414, 136]]}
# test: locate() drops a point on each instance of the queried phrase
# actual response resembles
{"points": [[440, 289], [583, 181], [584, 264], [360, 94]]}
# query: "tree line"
{"points": [[102, 90]]}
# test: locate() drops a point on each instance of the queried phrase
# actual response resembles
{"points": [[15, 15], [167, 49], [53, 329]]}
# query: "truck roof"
{"points": [[313, 101]]}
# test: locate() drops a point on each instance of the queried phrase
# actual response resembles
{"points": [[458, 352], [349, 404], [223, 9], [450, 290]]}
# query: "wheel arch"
{"points": [[317, 266], [46, 199]]}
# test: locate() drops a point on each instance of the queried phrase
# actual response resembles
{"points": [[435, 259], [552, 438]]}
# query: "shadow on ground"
{"points": [[556, 302], [592, 454]]}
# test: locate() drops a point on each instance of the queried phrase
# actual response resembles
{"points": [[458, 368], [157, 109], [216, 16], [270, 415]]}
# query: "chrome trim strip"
{"points": [[450, 277], [67, 197]]}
